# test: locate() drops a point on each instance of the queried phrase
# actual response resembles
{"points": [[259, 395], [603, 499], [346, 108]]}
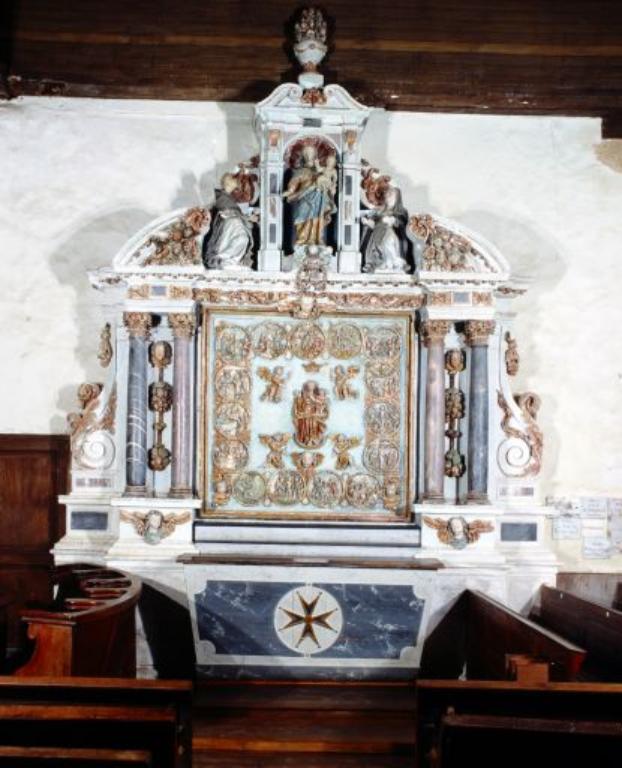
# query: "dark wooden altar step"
{"points": [[316, 726]]}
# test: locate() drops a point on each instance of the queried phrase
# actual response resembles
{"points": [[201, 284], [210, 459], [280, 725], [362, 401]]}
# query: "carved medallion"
{"points": [[270, 340], [308, 341], [232, 383], [362, 490], [233, 344], [325, 489], [230, 455], [286, 487], [231, 420], [344, 341], [382, 344], [249, 488], [382, 418], [382, 457], [382, 379]]}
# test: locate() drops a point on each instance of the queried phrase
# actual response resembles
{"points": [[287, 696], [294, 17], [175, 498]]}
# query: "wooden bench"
{"points": [[478, 636], [597, 628], [95, 722], [497, 723], [90, 629]]}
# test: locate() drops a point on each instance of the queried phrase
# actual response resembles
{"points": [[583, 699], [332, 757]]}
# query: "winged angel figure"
{"points": [[154, 526], [456, 532]]}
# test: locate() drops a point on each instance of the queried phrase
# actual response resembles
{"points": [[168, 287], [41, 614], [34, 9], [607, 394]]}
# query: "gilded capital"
{"points": [[138, 324], [182, 324], [434, 331], [476, 332]]}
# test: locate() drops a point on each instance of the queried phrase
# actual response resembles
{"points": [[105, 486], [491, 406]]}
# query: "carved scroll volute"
{"points": [[520, 453]]}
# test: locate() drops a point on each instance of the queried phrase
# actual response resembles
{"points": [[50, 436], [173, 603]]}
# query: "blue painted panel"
{"points": [[89, 521], [519, 531], [379, 619]]}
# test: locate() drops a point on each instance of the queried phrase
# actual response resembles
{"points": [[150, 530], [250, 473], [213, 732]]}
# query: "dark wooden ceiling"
{"points": [[505, 56]]}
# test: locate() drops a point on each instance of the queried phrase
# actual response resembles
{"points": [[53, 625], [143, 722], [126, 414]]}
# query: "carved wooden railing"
{"points": [[89, 630]]}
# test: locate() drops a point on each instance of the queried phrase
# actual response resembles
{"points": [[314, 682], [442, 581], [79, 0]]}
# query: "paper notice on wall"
{"points": [[594, 526], [596, 547], [593, 506], [615, 523], [567, 527]]}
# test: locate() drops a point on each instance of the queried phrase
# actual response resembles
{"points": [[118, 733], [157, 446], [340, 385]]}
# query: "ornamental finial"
{"points": [[310, 47]]}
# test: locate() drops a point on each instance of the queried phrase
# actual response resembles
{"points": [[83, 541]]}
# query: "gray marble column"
{"points": [[138, 325], [182, 464], [477, 334], [434, 332]]}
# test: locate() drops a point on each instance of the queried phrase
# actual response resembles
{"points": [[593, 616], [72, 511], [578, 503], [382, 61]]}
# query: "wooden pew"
{"points": [[95, 722], [4, 603], [477, 636], [486, 723], [597, 628], [89, 630]]}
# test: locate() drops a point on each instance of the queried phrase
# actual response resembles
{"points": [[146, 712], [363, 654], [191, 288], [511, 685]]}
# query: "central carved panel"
{"points": [[307, 418]]}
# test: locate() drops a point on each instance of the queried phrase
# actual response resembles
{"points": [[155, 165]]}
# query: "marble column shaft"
{"points": [[477, 335], [182, 464], [138, 325], [434, 332]]}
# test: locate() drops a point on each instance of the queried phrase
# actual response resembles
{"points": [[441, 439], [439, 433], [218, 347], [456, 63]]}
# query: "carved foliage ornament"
{"points": [[443, 251], [512, 358], [182, 324], [476, 332], [138, 324], [179, 242], [434, 331], [104, 353]]}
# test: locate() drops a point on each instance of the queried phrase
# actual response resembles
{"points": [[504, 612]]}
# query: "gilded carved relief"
{"points": [[321, 429]]}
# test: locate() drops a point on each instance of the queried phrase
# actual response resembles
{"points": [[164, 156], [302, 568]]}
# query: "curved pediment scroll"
{"points": [[447, 250]]}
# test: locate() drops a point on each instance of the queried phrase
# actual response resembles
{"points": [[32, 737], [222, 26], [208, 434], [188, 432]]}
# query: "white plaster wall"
{"points": [[80, 176]]}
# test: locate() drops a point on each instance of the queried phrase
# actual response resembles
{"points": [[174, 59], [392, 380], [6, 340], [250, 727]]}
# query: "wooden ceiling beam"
{"points": [[513, 56]]}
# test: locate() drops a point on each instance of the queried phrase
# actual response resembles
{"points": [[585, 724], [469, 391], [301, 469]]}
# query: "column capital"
{"points": [[434, 331], [138, 324], [182, 324], [476, 332]]}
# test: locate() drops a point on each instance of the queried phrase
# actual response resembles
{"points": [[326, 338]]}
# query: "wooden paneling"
{"points": [[33, 472], [517, 56]]}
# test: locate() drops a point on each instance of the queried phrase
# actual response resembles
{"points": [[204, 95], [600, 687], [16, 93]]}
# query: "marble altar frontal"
{"points": [[305, 432]]}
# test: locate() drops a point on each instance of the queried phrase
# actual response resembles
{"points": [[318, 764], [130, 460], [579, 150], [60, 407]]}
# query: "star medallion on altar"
{"points": [[313, 620]]}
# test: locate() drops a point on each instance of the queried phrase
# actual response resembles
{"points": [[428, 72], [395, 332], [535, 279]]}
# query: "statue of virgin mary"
{"points": [[310, 192]]}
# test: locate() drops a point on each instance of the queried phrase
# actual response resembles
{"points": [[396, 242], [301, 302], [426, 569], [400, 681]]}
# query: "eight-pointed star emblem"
{"points": [[308, 619]]}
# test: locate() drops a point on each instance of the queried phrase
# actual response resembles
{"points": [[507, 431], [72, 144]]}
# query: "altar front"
{"points": [[306, 435]]}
